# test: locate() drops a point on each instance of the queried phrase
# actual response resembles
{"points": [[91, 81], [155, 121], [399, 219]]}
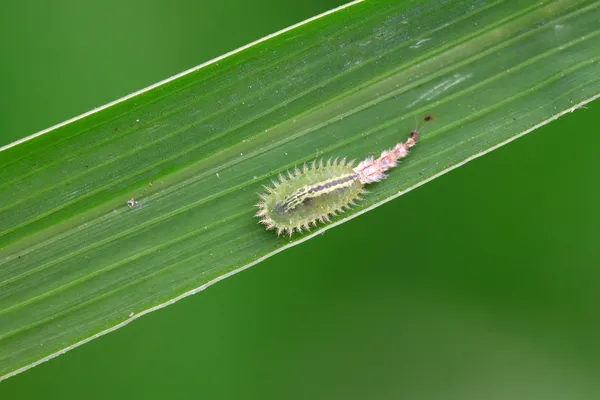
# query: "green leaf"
{"points": [[76, 262]]}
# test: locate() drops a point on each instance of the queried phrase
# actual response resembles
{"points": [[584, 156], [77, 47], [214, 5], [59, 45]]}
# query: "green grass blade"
{"points": [[76, 262]]}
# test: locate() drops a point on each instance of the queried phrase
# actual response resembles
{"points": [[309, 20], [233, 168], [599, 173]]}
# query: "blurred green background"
{"points": [[483, 284]]}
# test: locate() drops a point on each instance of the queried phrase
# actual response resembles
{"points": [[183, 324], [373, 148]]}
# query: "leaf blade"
{"points": [[76, 261]]}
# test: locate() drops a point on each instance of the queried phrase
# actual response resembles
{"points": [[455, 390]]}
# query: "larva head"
{"points": [[314, 194]]}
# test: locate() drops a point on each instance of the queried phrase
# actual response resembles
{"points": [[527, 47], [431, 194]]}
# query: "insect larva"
{"points": [[324, 190]]}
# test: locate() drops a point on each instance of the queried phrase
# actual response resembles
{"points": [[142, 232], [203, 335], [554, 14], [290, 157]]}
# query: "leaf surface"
{"points": [[76, 262]]}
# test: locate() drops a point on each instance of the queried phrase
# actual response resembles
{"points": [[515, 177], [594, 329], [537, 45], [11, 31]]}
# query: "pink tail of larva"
{"points": [[371, 170]]}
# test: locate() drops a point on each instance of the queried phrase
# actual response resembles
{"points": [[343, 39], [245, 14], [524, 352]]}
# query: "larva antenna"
{"points": [[417, 127], [419, 123], [414, 134]]}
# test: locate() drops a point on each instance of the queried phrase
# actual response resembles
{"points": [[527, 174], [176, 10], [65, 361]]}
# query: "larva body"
{"points": [[323, 190], [309, 196]]}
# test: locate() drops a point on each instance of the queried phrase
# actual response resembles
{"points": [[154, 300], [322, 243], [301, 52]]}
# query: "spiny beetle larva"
{"points": [[324, 190]]}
